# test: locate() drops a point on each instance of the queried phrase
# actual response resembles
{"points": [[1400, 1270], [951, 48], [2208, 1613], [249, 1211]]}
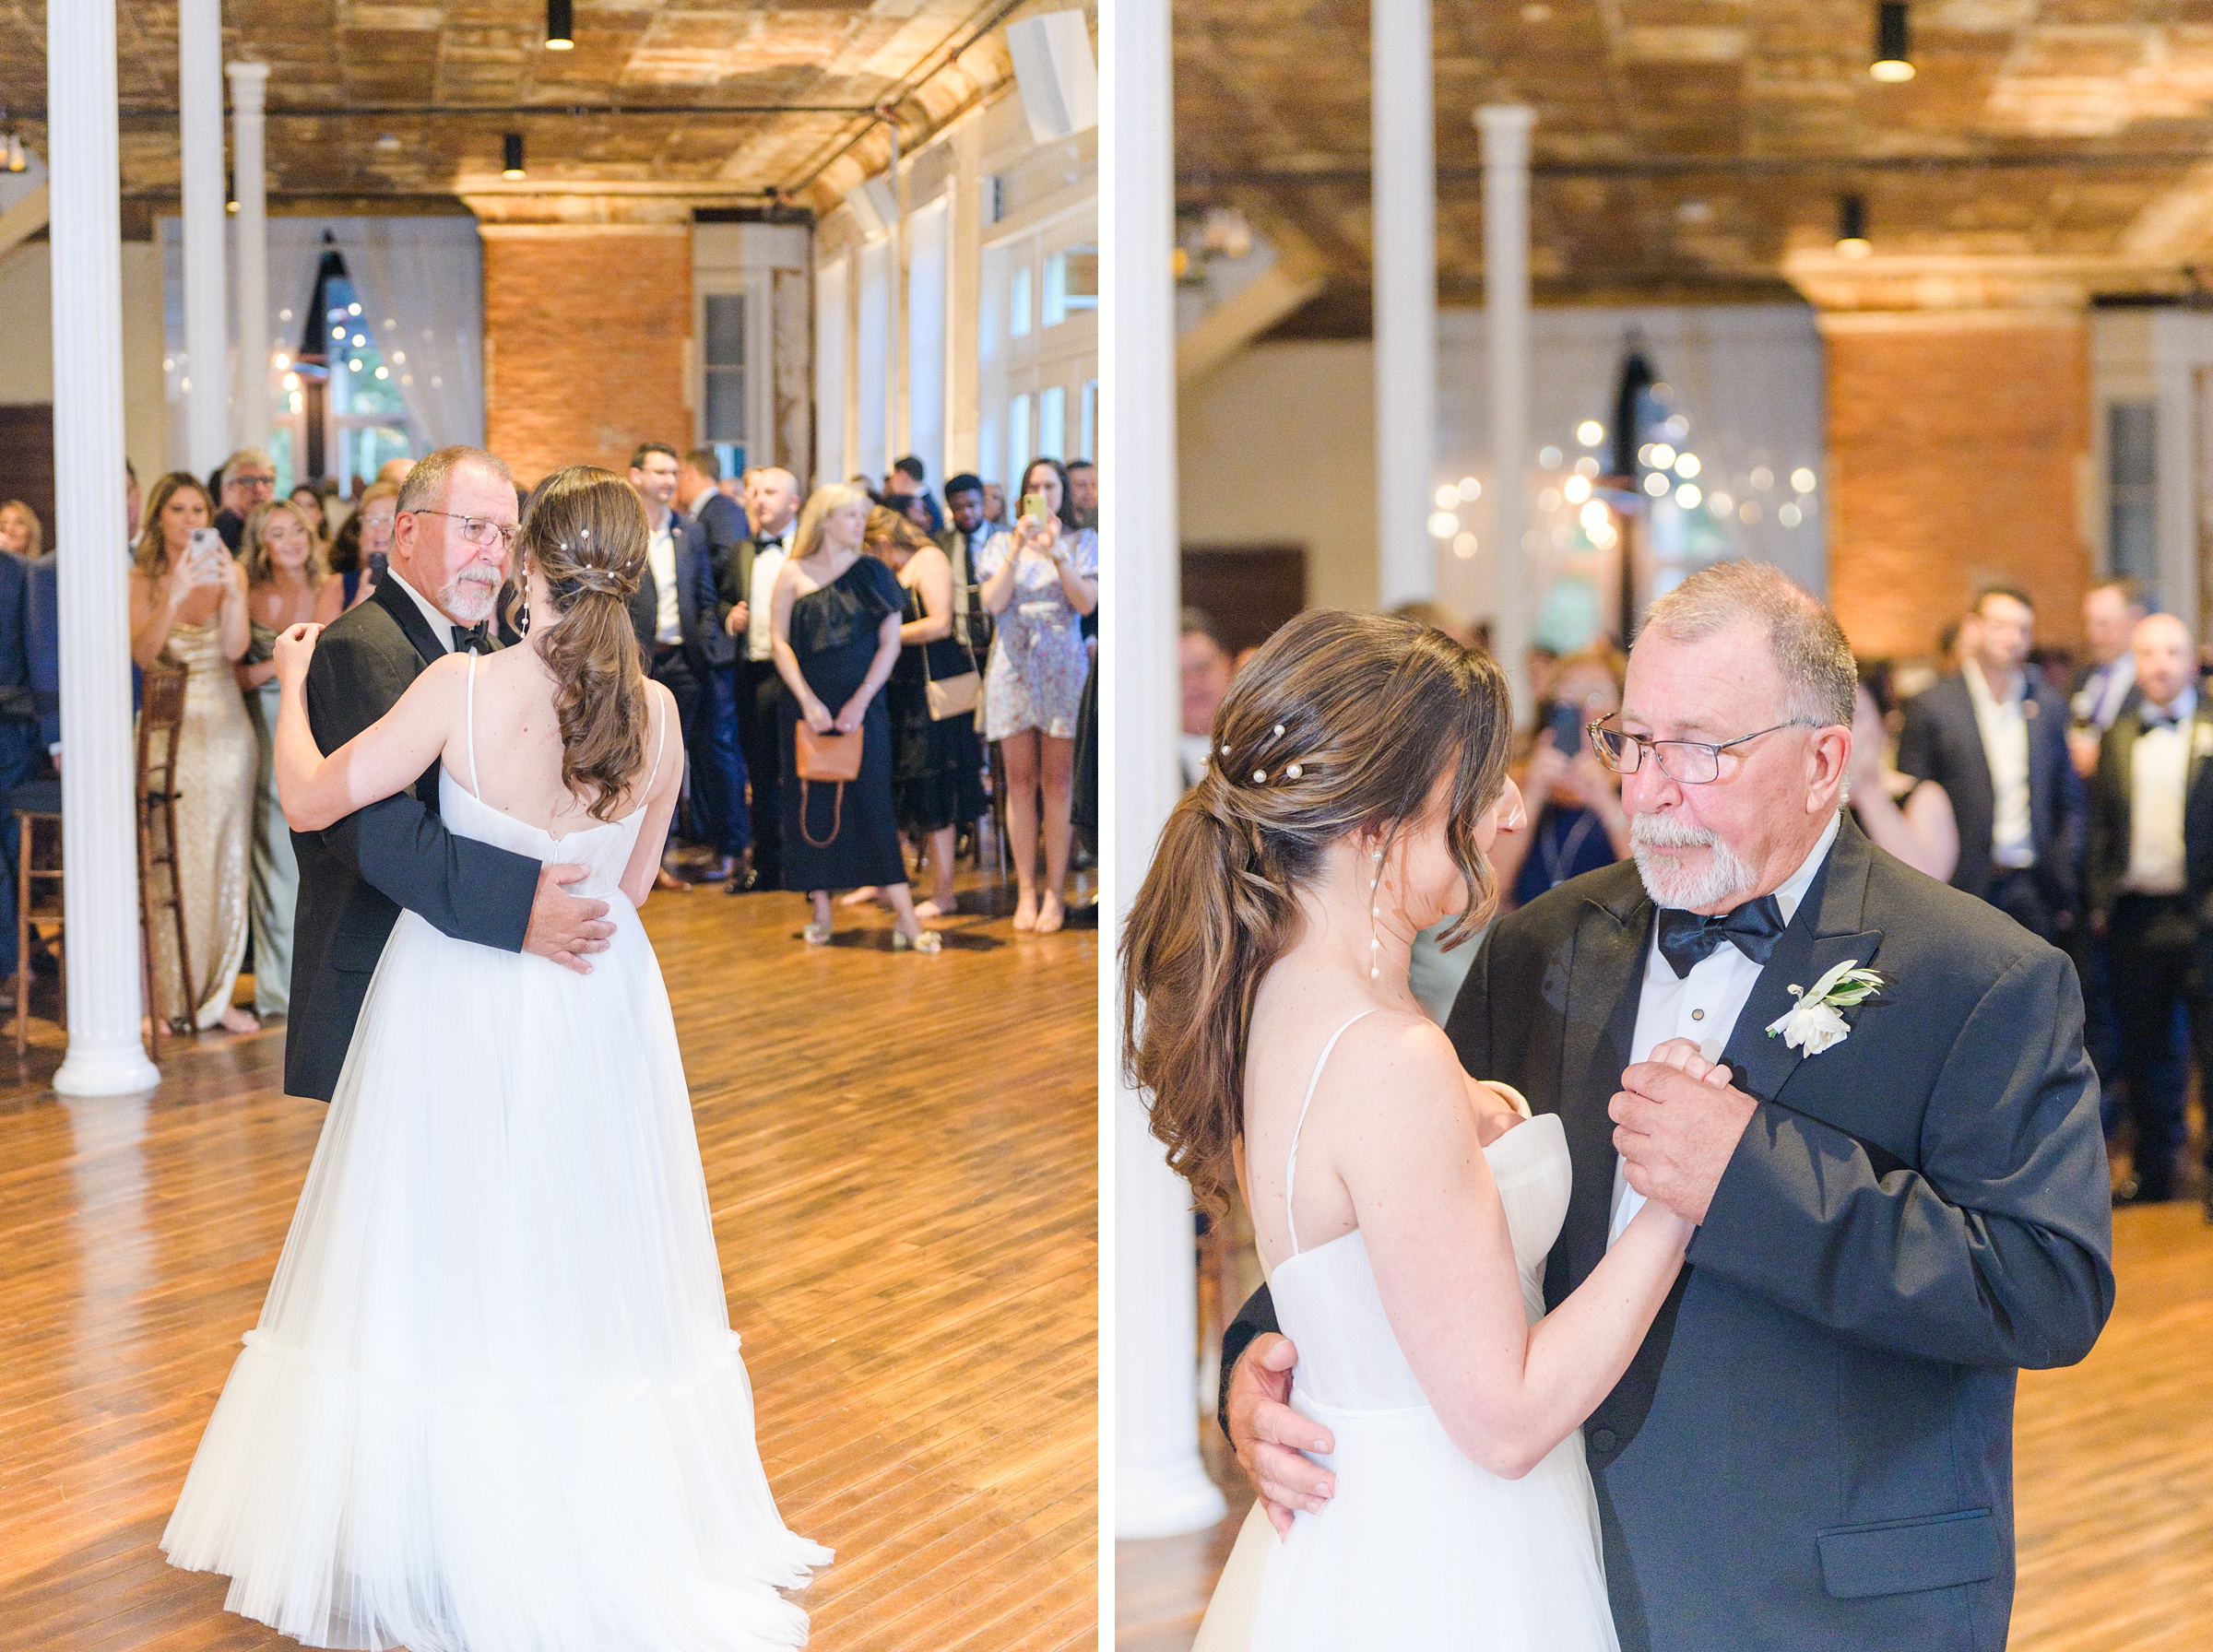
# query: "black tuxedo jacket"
{"points": [[734, 579], [696, 615], [721, 527], [1813, 1447], [2112, 796], [1941, 742], [356, 876]]}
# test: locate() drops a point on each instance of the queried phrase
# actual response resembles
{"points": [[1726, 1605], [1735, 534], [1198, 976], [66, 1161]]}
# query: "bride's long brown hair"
{"points": [[586, 532], [1342, 723]]}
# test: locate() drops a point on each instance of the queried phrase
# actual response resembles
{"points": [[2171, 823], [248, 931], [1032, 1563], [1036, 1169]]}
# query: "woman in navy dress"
{"points": [[834, 631]]}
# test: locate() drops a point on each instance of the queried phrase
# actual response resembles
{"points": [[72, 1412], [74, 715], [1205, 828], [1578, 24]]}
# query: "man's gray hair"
{"points": [[240, 460], [425, 488], [1820, 677]]}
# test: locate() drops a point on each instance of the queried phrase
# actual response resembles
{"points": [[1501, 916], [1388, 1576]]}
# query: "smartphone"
{"points": [[204, 544], [1566, 726], [1035, 507], [378, 560]]}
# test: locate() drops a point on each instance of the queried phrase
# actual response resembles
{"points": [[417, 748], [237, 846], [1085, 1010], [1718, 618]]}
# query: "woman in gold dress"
{"points": [[188, 613]]}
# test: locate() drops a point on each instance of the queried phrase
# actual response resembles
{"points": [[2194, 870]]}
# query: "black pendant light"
{"points": [[512, 166], [1893, 51], [561, 25], [1852, 228]]}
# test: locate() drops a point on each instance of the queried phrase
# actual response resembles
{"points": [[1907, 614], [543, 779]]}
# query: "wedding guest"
{"points": [[1996, 740], [673, 606], [1204, 666], [836, 623], [188, 613], [308, 501], [2150, 867], [995, 504], [133, 503], [1083, 488], [718, 808], [20, 741], [366, 535], [247, 479], [745, 599], [286, 584], [1040, 582], [937, 760], [20, 535], [1580, 824], [1912, 819], [962, 541], [395, 471]]}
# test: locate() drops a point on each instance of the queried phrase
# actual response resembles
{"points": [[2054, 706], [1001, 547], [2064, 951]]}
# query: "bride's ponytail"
{"points": [[1343, 722], [585, 533]]}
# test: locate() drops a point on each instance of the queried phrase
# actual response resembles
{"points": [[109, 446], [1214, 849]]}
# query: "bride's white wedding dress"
{"points": [[1420, 1550], [494, 1403]]}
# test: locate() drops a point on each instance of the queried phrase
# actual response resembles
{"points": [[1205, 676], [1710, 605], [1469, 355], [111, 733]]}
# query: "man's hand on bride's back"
{"points": [[566, 928], [1271, 1437]]}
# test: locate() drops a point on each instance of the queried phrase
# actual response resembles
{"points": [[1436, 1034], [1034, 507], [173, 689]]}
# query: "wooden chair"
{"points": [[160, 720], [38, 812]]}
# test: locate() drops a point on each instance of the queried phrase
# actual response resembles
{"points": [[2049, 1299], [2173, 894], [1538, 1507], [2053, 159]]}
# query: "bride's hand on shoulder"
{"points": [[295, 649]]}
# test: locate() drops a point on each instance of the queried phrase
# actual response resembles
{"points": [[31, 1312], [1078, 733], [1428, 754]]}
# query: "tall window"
{"points": [[1052, 422], [1018, 444], [2132, 488], [725, 383], [872, 350], [365, 421], [830, 356]]}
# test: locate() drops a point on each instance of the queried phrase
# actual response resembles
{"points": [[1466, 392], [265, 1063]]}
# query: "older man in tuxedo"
{"points": [[1994, 734], [1813, 1447], [718, 766], [2150, 876]]}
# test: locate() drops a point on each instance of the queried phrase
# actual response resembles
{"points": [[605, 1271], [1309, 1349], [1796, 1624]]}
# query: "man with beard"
{"points": [[450, 543]]}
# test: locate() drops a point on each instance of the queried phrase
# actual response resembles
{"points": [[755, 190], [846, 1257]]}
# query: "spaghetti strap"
{"points": [[476, 791], [1291, 1162], [659, 742]]}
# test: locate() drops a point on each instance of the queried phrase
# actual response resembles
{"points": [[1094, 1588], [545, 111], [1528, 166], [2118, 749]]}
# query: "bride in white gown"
{"points": [[1403, 1209], [494, 1403]]}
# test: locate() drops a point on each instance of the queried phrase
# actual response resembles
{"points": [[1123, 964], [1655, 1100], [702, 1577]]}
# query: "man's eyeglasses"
{"points": [[477, 530], [1686, 762], [250, 479]]}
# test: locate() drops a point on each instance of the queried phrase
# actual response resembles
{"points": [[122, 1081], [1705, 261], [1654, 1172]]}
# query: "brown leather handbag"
{"points": [[825, 758]]}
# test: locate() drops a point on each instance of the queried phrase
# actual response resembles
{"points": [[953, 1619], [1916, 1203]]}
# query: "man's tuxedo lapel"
{"points": [[412, 625], [1605, 977], [1824, 933]]}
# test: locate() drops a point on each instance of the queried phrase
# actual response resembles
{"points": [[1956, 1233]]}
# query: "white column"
{"points": [[1148, 1281], [1504, 129], [248, 82], [200, 128], [1402, 108], [98, 833]]}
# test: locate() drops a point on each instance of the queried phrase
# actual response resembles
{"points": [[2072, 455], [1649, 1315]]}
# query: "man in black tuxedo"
{"points": [[673, 606], [450, 550], [743, 598], [1994, 734], [718, 766], [248, 479], [1812, 1449], [2150, 876]]}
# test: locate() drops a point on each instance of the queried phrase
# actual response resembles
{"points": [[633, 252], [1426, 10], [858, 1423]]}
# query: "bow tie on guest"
{"points": [[1685, 938], [2171, 718], [471, 639]]}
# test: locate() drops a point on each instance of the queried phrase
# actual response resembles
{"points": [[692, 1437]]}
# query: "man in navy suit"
{"points": [[674, 604], [718, 766], [1994, 734]]}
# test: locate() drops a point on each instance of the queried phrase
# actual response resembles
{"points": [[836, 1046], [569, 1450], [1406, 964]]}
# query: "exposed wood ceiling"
{"points": [[688, 100], [1685, 147]]}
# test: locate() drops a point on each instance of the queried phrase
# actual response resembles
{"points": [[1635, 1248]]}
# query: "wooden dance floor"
{"points": [[2113, 1465], [902, 1155]]}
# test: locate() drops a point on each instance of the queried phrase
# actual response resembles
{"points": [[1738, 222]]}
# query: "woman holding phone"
{"points": [[188, 614], [1580, 824], [1040, 580]]}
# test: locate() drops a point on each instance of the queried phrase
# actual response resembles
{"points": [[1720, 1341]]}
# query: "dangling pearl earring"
{"points": [[1375, 919], [522, 613]]}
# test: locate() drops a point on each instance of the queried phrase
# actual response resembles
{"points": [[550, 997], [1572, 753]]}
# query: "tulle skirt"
{"points": [[1421, 1550], [494, 1403]]}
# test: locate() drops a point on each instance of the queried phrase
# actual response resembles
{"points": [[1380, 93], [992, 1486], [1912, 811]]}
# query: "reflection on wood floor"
{"points": [[2113, 1467], [901, 1153]]}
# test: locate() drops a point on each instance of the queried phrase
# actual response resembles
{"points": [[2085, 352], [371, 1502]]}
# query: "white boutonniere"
{"points": [[1817, 1021]]}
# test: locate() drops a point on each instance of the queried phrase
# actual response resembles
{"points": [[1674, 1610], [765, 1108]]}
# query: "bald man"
{"points": [[747, 583], [2150, 876]]}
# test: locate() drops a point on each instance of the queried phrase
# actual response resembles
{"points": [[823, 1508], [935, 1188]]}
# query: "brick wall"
{"points": [[1958, 447], [586, 336]]}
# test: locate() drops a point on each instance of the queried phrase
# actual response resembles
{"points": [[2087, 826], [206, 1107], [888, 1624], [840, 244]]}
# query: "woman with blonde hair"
{"points": [[1357, 780], [286, 584], [188, 613], [834, 629], [20, 533], [494, 1399], [364, 535]]}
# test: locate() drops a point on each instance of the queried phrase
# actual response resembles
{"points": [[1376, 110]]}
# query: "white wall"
{"points": [[27, 345]]}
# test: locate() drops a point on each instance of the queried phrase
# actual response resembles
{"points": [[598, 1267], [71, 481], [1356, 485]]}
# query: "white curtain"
{"points": [[421, 282]]}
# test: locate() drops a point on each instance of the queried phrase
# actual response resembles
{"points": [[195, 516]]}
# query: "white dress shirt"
{"points": [[2003, 724], [1702, 1006], [2158, 774], [441, 626], [660, 555], [768, 562]]}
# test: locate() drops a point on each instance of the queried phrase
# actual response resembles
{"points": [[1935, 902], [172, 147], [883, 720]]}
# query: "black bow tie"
{"points": [[471, 639], [2161, 719], [1685, 938]]}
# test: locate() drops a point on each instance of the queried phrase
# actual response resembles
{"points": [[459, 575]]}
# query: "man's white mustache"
{"points": [[1669, 832]]}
